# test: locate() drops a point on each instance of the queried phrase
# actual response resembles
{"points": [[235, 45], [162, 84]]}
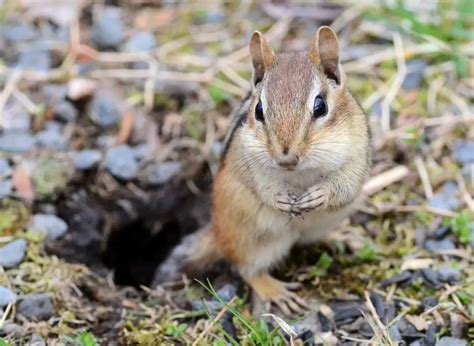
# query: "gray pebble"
{"points": [[54, 93], [87, 159], [13, 253], [50, 225], [414, 77], [450, 341], [107, 31], [51, 139], [445, 199], [6, 188], [440, 245], [6, 296], [227, 292], [36, 306], [16, 142], [18, 32], [121, 162], [431, 278], [36, 340], [394, 333], [12, 329], [449, 275], [16, 118], [140, 42], [161, 174], [65, 111], [5, 169], [104, 110], [36, 58], [141, 151], [210, 305], [463, 151]]}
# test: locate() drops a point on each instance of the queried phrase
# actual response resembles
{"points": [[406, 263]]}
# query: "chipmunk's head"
{"points": [[301, 112]]}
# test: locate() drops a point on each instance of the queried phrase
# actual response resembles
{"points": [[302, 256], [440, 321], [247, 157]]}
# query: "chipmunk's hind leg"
{"points": [[193, 256], [273, 291]]}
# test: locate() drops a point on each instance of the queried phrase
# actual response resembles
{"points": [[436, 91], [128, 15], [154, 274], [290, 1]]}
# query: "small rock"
{"points": [[210, 305], [107, 31], [50, 139], [16, 142], [441, 232], [429, 302], [463, 151], [36, 306], [140, 42], [450, 341], [309, 323], [366, 330], [12, 329], [440, 245], [430, 339], [141, 151], [346, 315], [403, 277], [6, 296], [13, 253], [377, 302], [50, 225], [80, 88], [445, 199], [449, 275], [176, 89], [6, 188], [104, 110], [87, 159], [18, 32], [395, 334], [36, 58], [431, 278], [54, 93], [5, 169], [121, 162], [326, 323], [414, 77], [227, 292], [36, 340], [161, 174], [15, 118], [65, 111]]}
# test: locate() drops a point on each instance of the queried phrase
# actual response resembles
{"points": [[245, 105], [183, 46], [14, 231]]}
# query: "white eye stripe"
{"points": [[263, 99]]}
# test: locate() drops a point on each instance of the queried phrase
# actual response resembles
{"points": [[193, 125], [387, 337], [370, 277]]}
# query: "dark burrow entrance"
{"points": [[129, 235]]}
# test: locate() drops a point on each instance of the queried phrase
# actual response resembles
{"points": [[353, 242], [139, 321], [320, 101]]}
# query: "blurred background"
{"points": [[112, 120]]}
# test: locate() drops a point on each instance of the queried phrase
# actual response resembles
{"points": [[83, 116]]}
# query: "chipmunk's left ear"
{"points": [[262, 56], [325, 51]]}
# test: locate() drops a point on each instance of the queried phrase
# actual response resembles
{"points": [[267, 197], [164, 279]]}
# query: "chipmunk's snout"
{"points": [[287, 160]]}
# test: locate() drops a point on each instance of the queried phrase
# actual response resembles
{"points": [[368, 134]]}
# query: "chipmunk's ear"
{"points": [[262, 56], [325, 51]]}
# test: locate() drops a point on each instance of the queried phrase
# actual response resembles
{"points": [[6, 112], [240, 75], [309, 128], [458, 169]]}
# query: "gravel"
{"points": [[13, 253], [5, 168], [414, 77], [449, 275], [87, 159], [36, 306], [6, 188], [121, 162], [65, 111], [227, 292], [445, 199], [51, 139], [35, 58], [140, 42], [463, 151], [104, 110], [440, 245], [16, 142], [18, 32], [431, 278], [108, 31], [6, 296], [162, 173], [450, 341], [50, 225]]}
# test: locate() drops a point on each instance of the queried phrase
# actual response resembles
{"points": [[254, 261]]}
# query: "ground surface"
{"points": [[111, 129]]}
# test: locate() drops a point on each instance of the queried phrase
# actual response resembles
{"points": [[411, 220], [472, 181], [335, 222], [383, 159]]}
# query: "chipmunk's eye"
{"points": [[319, 108], [259, 112]]}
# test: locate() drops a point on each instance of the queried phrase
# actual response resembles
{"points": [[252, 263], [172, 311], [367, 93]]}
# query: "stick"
{"points": [[385, 179]]}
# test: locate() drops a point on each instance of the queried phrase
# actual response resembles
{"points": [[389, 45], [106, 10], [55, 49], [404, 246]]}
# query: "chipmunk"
{"points": [[293, 166]]}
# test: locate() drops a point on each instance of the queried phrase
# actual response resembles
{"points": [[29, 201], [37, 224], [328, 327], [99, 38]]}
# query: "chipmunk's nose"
{"points": [[287, 160]]}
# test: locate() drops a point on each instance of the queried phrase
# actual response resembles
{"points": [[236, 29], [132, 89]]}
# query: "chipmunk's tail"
{"points": [[195, 255]]}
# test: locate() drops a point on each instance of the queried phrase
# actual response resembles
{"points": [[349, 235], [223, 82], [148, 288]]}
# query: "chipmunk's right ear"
{"points": [[262, 56]]}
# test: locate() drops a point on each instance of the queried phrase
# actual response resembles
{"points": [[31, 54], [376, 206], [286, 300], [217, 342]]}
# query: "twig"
{"points": [[397, 83], [8, 89], [425, 179], [415, 208], [464, 193], [211, 323], [385, 179]]}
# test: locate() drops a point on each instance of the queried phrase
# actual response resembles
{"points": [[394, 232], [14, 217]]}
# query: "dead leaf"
{"points": [[416, 263], [23, 185], [126, 128], [418, 321]]}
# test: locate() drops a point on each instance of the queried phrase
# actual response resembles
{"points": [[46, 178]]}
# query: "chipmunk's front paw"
{"points": [[285, 201], [315, 198]]}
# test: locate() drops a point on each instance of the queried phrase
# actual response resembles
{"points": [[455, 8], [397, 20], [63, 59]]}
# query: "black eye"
{"points": [[259, 112], [319, 109]]}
